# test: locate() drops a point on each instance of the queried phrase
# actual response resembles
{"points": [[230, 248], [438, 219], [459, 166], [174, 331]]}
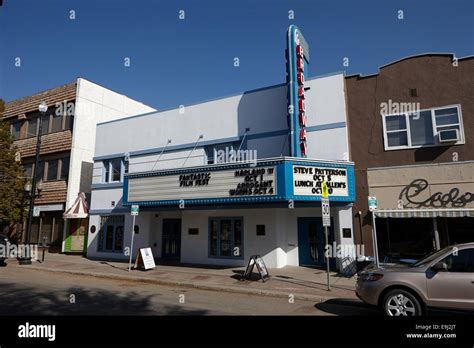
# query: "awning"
{"points": [[79, 209], [423, 213]]}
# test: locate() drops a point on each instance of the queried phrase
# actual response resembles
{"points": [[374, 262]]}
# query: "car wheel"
{"points": [[401, 303]]}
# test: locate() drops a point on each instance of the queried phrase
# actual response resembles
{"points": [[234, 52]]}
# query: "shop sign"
{"points": [[134, 210], [372, 203], [144, 259], [309, 181], [297, 60], [247, 182]]}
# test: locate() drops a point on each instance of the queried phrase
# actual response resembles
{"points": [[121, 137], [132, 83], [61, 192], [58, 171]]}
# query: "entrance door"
{"points": [[171, 238], [311, 241]]}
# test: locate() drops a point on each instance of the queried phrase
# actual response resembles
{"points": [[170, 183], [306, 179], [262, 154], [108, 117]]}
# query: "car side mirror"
{"points": [[440, 266]]}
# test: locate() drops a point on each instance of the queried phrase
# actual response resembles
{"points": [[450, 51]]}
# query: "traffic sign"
{"points": [[134, 210], [372, 203], [326, 213], [324, 190]]}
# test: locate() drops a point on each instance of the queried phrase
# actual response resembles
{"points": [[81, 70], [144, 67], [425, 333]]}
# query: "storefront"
{"points": [[47, 225], [421, 208], [222, 214], [220, 181], [76, 218]]}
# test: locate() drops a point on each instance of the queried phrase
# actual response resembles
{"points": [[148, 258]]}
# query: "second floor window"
{"points": [[431, 127], [51, 122], [113, 170], [49, 170]]}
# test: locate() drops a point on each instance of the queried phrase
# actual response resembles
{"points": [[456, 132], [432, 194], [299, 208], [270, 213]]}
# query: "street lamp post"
{"points": [[25, 258]]}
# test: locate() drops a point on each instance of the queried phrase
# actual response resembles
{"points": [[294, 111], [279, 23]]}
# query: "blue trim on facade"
{"points": [[109, 211], [283, 177], [326, 126], [105, 186], [106, 157]]}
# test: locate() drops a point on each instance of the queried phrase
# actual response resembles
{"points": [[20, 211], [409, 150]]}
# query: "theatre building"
{"points": [[220, 181], [411, 127]]}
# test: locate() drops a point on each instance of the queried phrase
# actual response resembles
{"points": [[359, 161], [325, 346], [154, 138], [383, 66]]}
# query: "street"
{"points": [[33, 292]]}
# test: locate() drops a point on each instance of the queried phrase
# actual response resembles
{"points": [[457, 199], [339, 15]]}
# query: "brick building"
{"points": [[411, 130], [67, 146]]}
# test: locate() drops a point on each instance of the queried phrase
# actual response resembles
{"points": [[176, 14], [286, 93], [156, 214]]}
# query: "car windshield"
{"points": [[430, 257]]}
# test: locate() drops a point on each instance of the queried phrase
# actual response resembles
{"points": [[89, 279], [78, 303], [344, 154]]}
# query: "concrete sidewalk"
{"points": [[301, 282]]}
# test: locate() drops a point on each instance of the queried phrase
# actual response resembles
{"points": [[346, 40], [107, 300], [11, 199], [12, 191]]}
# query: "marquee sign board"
{"points": [[308, 181], [245, 182], [297, 54]]}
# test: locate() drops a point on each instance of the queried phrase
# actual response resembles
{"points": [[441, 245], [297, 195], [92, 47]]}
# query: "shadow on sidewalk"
{"points": [[309, 284], [342, 306], [79, 301]]}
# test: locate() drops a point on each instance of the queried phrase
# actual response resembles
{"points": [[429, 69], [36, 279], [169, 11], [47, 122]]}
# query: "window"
{"points": [[18, 130], [45, 124], [116, 168], [396, 130], [57, 123], [226, 237], [64, 168], [447, 119], [413, 92], [28, 169], [111, 233], [113, 170], [52, 170], [39, 172], [69, 122], [462, 262], [32, 130], [413, 130]]}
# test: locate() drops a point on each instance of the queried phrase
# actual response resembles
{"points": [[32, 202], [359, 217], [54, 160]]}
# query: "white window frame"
{"points": [[433, 123], [104, 171]]}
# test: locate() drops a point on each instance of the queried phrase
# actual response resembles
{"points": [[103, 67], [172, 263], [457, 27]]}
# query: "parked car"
{"points": [[443, 279], [3, 249]]}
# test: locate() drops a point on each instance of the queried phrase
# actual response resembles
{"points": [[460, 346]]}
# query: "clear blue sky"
{"points": [[177, 61]]}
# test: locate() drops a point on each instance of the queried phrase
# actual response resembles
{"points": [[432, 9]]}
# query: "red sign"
{"points": [[301, 99]]}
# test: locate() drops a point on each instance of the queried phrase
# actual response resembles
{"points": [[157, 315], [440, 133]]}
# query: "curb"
{"points": [[231, 289]]}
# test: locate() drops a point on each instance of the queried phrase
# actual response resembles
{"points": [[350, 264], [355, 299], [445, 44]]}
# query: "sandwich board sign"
{"points": [[256, 260], [144, 259]]}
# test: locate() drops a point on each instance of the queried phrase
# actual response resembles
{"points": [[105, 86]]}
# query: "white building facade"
{"points": [[93, 104], [199, 206]]}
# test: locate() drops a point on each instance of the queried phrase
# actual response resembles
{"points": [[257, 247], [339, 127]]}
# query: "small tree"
{"points": [[12, 181]]}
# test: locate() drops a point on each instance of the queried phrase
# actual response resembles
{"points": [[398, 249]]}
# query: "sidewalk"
{"points": [[301, 282]]}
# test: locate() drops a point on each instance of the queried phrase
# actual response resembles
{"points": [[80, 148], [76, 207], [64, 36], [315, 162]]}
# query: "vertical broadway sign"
{"points": [[297, 60]]}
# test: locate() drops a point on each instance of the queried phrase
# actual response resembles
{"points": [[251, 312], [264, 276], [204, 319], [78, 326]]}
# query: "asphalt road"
{"points": [[33, 292]]}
